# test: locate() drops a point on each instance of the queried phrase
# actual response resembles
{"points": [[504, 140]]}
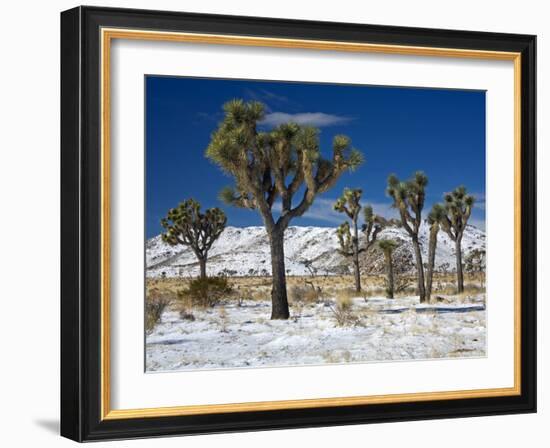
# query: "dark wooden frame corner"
{"points": [[85, 413]]}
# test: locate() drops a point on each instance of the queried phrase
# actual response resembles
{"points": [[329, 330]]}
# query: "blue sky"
{"points": [[399, 130]]}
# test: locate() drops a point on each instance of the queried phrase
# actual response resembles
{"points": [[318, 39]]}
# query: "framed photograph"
{"points": [[278, 224]]}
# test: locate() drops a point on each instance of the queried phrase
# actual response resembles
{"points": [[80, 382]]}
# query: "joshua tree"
{"points": [[408, 198], [434, 220], [387, 247], [278, 164], [186, 225], [349, 204], [475, 263], [458, 208]]}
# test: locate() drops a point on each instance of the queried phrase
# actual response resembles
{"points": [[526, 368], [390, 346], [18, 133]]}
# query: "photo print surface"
{"points": [[293, 223]]}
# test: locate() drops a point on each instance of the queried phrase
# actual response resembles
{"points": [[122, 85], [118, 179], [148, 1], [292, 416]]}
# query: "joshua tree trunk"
{"points": [[419, 269], [459, 275], [279, 300], [431, 265], [389, 275], [202, 265], [356, 258]]}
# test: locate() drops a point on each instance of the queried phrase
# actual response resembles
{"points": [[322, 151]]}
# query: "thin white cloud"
{"points": [[384, 209], [268, 98], [322, 210], [318, 119], [267, 94]]}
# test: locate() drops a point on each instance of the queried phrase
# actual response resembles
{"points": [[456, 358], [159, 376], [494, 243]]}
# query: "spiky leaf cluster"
{"points": [[408, 198], [372, 226], [458, 207], [272, 165], [388, 246], [348, 203], [186, 225], [345, 239], [436, 215]]}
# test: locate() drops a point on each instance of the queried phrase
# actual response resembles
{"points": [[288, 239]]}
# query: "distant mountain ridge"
{"points": [[244, 251]]}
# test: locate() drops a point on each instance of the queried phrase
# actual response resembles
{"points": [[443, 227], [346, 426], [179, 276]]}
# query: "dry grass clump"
{"points": [[343, 312], [185, 312], [168, 287], [251, 292], [345, 295], [223, 320], [154, 307], [303, 291], [301, 296], [450, 289], [373, 292], [337, 357], [344, 303], [304, 294]]}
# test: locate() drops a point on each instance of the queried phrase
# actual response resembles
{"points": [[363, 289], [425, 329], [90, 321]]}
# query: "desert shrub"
{"points": [[376, 291], [337, 357], [253, 292], [343, 312], [304, 294], [346, 294], [185, 314], [184, 307], [469, 289], [205, 292], [161, 290], [154, 307], [403, 285], [344, 303]]}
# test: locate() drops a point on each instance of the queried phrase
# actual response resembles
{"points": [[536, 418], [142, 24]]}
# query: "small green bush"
{"points": [[205, 292]]}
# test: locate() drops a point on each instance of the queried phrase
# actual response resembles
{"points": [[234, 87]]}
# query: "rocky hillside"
{"points": [[245, 252]]}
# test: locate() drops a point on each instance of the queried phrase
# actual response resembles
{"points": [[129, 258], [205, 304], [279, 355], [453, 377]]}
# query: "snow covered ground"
{"points": [[230, 336]]}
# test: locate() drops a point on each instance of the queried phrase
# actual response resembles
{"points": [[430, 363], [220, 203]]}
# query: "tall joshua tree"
{"points": [[348, 237], [458, 208], [408, 198], [186, 225], [434, 220], [387, 247], [278, 164]]}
